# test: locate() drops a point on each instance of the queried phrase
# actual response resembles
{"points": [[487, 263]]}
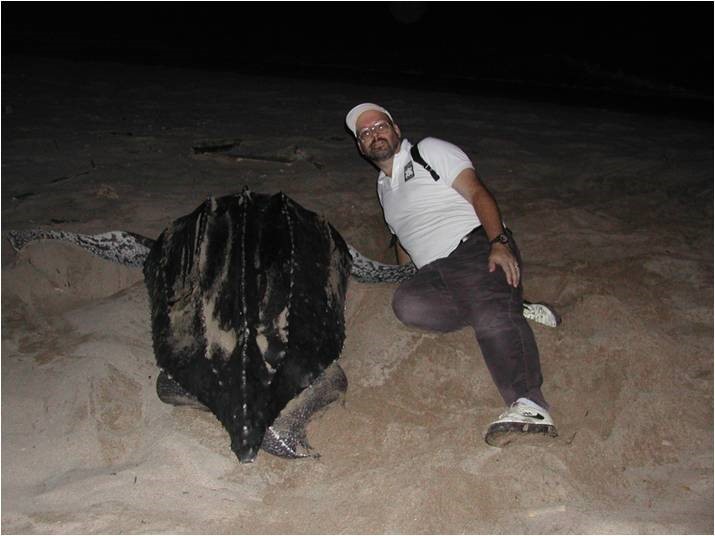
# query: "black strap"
{"points": [[417, 157]]}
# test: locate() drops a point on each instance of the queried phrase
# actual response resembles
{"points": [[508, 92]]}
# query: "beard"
{"points": [[381, 149]]}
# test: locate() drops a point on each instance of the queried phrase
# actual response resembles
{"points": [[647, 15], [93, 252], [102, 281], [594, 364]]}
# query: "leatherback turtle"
{"points": [[247, 301]]}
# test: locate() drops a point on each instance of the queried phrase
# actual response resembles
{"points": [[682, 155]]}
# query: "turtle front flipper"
{"points": [[367, 270], [286, 437], [122, 247]]}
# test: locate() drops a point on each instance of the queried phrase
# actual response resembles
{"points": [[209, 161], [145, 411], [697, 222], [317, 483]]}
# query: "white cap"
{"points": [[355, 113]]}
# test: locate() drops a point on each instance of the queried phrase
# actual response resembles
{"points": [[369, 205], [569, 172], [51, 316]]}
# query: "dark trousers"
{"points": [[459, 291]]}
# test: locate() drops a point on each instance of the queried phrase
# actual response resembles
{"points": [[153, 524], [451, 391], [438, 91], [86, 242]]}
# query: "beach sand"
{"points": [[613, 213]]}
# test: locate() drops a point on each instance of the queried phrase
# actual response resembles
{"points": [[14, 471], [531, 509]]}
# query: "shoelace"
{"points": [[522, 410]]}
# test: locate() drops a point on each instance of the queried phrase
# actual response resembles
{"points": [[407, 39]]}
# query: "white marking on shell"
{"points": [[262, 342], [216, 337], [203, 254], [197, 237], [283, 319], [224, 340], [180, 320], [282, 325]]}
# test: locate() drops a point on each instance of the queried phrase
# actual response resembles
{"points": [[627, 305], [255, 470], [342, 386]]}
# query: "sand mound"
{"points": [[51, 274]]}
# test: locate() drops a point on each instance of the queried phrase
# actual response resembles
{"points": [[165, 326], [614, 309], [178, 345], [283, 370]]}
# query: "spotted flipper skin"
{"points": [[367, 270], [121, 247]]}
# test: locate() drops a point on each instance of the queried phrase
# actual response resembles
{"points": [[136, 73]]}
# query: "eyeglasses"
{"points": [[379, 127]]}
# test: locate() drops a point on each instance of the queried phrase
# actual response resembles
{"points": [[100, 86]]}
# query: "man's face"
{"points": [[382, 140]]}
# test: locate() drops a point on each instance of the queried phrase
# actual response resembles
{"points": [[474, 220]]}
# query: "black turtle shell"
{"points": [[247, 303]]}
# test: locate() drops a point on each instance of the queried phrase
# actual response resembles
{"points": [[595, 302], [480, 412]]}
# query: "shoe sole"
{"points": [[507, 433], [542, 313]]}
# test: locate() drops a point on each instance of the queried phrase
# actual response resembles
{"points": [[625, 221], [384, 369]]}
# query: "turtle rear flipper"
{"points": [[286, 437], [170, 392]]}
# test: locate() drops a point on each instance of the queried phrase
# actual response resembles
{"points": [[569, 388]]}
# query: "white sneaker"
{"points": [[523, 421], [541, 313]]}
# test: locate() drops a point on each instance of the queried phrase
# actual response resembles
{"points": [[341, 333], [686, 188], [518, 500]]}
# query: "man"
{"points": [[449, 225]]}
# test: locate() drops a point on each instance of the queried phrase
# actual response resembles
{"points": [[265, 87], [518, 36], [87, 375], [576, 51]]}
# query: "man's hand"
{"points": [[501, 255], [471, 188]]}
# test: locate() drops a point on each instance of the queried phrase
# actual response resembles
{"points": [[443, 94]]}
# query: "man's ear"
{"points": [[397, 130], [360, 147]]}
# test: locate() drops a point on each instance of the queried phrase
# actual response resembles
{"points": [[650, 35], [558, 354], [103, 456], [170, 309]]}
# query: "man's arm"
{"points": [[473, 190], [402, 256]]}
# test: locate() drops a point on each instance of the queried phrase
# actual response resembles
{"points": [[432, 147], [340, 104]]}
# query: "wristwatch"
{"points": [[500, 238]]}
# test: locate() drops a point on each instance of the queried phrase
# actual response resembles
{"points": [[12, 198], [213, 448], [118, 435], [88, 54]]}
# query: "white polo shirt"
{"points": [[429, 217]]}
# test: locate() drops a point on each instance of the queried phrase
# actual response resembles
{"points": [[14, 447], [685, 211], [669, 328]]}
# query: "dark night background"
{"points": [[655, 57]]}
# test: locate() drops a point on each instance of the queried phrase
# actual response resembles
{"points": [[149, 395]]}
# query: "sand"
{"points": [[613, 213]]}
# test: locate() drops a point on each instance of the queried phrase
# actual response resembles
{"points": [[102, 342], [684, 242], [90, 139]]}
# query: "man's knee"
{"points": [[415, 310], [406, 306]]}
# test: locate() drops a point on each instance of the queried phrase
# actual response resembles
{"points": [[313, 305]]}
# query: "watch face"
{"points": [[502, 239]]}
